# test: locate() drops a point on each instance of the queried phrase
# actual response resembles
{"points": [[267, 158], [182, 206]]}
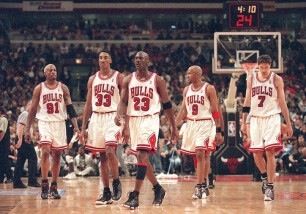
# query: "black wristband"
{"points": [[218, 130], [167, 105], [246, 109], [71, 112]]}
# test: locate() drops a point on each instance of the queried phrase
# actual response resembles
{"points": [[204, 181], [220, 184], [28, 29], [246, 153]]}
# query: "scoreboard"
{"points": [[244, 15]]}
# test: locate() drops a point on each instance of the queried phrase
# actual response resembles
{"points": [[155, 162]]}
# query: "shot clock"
{"points": [[244, 15]]}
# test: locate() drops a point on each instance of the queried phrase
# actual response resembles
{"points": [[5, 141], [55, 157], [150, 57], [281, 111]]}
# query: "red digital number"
{"points": [[242, 19], [52, 108], [145, 104], [105, 100]]}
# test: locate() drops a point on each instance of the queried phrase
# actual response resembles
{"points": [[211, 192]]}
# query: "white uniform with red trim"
{"points": [[200, 127], [265, 121], [143, 111], [102, 130], [51, 115]]}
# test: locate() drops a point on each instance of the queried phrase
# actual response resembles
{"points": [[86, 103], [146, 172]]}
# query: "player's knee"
{"points": [[199, 155], [103, 157], [142, 156]]}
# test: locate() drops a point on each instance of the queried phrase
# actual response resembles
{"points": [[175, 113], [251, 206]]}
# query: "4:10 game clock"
{"points": [[244, 15]]}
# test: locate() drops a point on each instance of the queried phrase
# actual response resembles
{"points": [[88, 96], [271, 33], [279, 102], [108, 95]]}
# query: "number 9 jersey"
{"points": [[51, 104]]}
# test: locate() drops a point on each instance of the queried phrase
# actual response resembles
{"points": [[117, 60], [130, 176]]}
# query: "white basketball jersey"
{"points": [[52, 106], [264, 101], [143, 97], [197, 103], [105, 93]]}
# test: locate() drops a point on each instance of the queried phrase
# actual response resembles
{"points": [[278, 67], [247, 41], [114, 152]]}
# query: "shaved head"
{"points": [[195, 69]]}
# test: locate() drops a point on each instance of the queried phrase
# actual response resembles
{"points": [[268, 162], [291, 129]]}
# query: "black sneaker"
{"points": [[44, 190], [264, 185], [53, 192], [197, 194], [159, 194], [269, 193], [133, 201], [105, 198], [34, 184], [211, 181], [204, 191], [117, 190], [19, 185]]}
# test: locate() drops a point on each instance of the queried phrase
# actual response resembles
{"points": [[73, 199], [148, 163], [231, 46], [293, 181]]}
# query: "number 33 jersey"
{"points": [[51, 104], [143, 96], [105, 93], [264, 101]]}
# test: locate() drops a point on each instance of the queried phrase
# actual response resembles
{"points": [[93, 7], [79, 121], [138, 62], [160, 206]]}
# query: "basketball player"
{"points": [[141, 95], [200, 108], [264, 101], [51, 102], [103, 96]]}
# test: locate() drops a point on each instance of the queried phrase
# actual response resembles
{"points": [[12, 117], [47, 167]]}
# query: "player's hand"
{"points": [[243, 129], [125, 135], [219, 138], [83, 137], [289, 130]]}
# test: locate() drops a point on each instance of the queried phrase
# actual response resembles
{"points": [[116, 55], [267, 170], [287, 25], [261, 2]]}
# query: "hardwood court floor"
{"points": [[233, 194]]}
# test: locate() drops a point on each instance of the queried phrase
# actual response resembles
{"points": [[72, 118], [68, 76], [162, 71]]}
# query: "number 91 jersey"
{"points": [[197, 103], [105, 93], [51, 104], [144, 99]]}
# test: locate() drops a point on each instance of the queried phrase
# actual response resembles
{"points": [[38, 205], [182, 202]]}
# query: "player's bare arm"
{"points": [[33, 110], [70, 110], [213, 99], [87, 108], [181, 115], [279, 84], [167, 106], [122, 108], [120, 78], [246, 104]]}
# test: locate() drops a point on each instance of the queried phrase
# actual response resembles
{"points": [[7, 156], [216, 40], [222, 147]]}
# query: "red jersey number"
{"points": [[195, 109], [104, 100], [52, 108], [261, 100], [142, 104]]}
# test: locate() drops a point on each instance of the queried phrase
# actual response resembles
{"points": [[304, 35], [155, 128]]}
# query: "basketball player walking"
{"points": [[139, 106], [103, 96], [264, 101], [200, 108], [51, 102]]}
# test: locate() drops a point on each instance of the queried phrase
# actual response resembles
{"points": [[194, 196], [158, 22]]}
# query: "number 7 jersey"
{"points": [[52, 105], [143, 97], [264, 101]]}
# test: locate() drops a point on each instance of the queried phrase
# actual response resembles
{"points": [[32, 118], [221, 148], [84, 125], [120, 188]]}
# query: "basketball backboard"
{"points": [[230, 48]]}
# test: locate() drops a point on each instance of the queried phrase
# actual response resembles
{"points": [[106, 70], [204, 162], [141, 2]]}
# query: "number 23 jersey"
{"points": [[52, 105], [143, 97]]}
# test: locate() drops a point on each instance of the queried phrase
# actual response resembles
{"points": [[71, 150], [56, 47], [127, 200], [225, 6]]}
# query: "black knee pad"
{"points": [[141, 172]]}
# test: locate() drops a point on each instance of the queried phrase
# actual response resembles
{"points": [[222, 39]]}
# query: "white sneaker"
{"points": [[70, 176]]}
